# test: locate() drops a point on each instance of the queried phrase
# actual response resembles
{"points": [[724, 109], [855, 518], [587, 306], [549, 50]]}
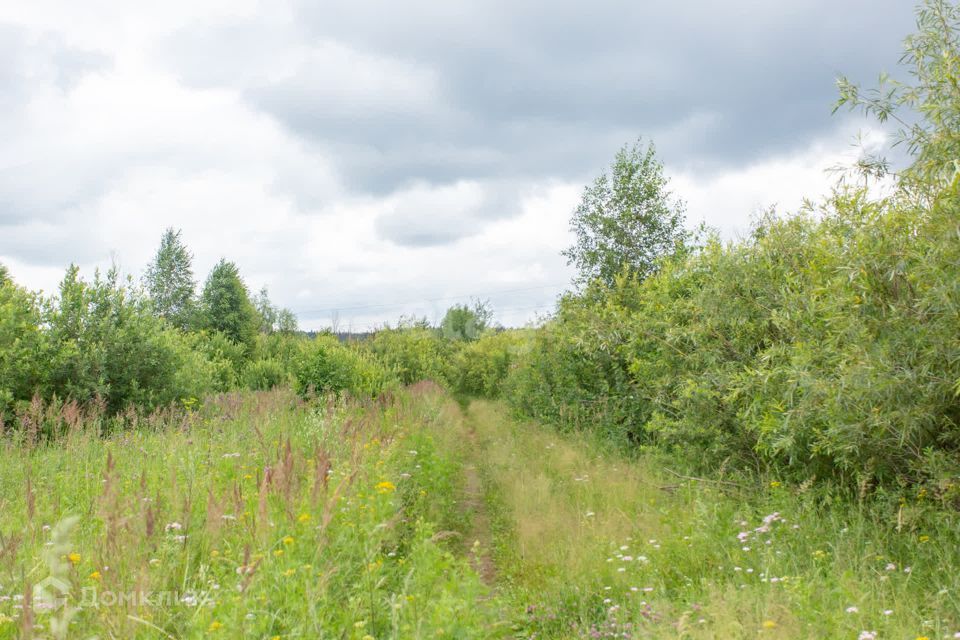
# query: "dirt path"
{"points": [[479, 538]]}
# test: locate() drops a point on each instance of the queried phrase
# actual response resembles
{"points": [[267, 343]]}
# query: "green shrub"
{"points": [[827, 345], [483, 365], [102, 341], [330, 367], [265, 374], [22, 365], [414, 353]]}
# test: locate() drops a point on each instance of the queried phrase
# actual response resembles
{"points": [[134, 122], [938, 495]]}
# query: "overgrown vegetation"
{"points": [[757, 437], [825, 346]]}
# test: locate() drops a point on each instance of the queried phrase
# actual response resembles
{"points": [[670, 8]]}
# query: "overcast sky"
{"points": [[365, 160]]}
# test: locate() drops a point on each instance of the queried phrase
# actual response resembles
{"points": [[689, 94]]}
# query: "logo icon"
{"points": [[50, 593]]}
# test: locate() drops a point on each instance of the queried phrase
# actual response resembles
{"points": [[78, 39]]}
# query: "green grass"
{"points": [[260, 516], [592, 544], [229, 524]]}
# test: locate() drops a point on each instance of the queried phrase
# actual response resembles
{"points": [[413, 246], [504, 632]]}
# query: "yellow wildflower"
{"points": [[95, 575], [924, 539], [74, 558], [769, 624], [775, 484], [386, 487], [289, 572], [278, 552], [214, 626], [304, 517], [288, 540]]}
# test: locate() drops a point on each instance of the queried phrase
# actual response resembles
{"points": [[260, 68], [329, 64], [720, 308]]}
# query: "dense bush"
{"points": [[826, 345], [21, 344], [414, 353], [327, 366], [483, 365], [103, 342]]}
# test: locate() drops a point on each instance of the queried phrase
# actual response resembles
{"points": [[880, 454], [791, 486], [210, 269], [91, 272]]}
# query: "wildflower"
{"points": [[891, 567], [852, 610], [385, 487], [923, 638], [923, 539], [74, 558], [289, 572], [775, 484], [907, 569], [769, 624], [304, 517], [888, 612], [278, 552], [95, 575], [867, 635], [173, 526], [288, 540], [154, 562], [214, 626]]}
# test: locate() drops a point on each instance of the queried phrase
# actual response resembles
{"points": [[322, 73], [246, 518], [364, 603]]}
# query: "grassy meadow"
{"points": [[260, 515]]}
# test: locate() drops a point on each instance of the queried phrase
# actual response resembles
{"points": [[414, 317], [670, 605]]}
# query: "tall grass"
{"points": [[591, 544], [253, 515]]}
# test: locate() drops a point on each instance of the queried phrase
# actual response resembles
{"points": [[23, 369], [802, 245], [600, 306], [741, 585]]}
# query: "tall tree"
{"points": [[225, 305], [169, 280], [627, 219]]}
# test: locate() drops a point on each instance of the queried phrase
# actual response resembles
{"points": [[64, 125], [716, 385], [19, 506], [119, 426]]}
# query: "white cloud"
{"points": [[434, 173]]}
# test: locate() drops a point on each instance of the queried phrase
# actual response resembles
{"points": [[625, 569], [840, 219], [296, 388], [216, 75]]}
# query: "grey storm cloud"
{"points": [[383, 98], [501, 91]]}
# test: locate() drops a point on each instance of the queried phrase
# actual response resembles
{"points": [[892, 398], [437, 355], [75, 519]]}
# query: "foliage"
{"points": [[327, 366], [483, 365], [926, 108], [225, 306], [627, 218], [823, 346], [169, 280], [104, 343], [415, 353], [22, 366], [266, 374], [466, 322]]}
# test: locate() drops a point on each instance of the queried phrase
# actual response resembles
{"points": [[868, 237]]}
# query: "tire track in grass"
{"points": [[479, 538]]}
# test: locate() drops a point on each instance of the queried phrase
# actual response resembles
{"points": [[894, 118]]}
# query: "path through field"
{"points": [[545, 513], [575, 540]]}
